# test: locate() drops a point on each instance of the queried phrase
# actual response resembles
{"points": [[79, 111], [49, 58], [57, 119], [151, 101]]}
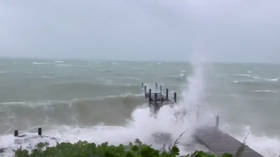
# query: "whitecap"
{"points": [[243, 75], [273, 79], [236, 82], [9, 143], [59, 61], [65, 65], [256, 77], [39, 63], [266, 91], [267, 146], [249, 72], [13, 103], [182, 75], [33, 103]]}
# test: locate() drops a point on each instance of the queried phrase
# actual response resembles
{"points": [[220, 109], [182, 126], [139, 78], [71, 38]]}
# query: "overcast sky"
{"points": [[219, 30]]}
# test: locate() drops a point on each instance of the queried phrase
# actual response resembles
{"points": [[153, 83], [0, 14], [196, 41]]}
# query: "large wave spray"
{"points": [[159, 130], [170, 122]]}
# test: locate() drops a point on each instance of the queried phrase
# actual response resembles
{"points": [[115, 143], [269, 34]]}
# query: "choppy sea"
{"points": [[101, 101]]}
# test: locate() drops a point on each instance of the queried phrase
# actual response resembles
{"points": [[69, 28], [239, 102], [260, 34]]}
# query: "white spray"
{"points": [[170, 123]]}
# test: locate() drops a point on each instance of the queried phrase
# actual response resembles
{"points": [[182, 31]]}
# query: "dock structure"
{"points": [[213, 138], [219, 142], [157, 99]]}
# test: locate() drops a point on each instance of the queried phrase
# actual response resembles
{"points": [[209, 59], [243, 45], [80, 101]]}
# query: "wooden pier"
{"points": [[213, 138], [158, 99], [219, 143]]}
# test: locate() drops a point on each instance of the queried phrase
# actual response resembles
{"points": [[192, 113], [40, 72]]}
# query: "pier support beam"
{"points": [[145, 91], [150, 96], [16, 133], [156, 97], [166, 94], [175, 97], [156, 105], [40, 131]]}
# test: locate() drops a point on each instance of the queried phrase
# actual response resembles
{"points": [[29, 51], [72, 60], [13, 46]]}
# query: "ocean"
{"points": [[101, 101]]}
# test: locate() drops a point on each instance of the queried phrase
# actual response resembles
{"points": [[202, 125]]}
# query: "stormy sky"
{"points": [[172, 30]]}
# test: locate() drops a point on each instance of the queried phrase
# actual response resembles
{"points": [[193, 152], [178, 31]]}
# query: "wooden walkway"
{"points": [[220, 143], [211, 137]]}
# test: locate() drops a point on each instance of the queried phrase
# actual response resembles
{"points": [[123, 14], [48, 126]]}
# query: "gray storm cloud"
{"points": [[221, 30]]}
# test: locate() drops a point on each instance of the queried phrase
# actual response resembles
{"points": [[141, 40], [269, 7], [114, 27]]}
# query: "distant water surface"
{"points": [[50, 93]]}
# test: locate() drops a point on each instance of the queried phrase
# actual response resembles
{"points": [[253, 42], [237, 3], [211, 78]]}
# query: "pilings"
{"points": [[16, 133], [39, 132], [175, 97], [157, 98], [166, 94], [150, 96]]}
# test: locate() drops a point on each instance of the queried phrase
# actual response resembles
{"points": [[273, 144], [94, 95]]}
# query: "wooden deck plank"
{"points": [[220, 143]]}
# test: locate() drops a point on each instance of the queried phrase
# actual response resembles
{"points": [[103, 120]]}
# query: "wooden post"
{"points": [[145, 91], [175, 97], [217, 122], [16, 133], [40, 131], [156, 95], [160, 89], [166, 96], [155, 102], [150, 96]]}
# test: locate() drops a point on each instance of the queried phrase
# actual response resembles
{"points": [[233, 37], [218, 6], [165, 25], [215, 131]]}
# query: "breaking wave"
{"points": [[192, 112]]}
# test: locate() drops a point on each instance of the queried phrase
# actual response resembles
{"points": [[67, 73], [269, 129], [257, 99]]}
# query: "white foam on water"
{"points": [[143, 124], [182, 75], [10, 143], [184, 117], [59, 61], [181, 118], [273, 79], [236, 82], [266, 91], [33, 103], [64, 65], [39, 63], [243, 75], [267, 146], [255, 77]]}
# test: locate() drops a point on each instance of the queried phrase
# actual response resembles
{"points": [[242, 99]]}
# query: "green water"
{"points": [[36, 92]]}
